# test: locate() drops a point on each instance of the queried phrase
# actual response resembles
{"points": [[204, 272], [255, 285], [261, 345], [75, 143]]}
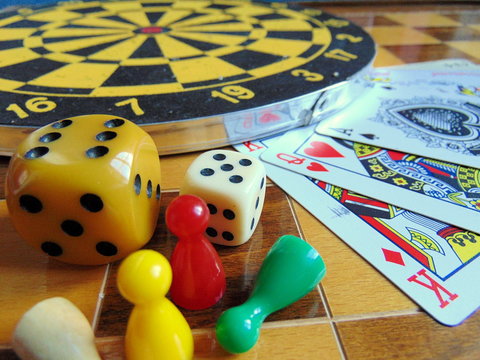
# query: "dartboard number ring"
{"points": [[233, 93], [163, 61]]}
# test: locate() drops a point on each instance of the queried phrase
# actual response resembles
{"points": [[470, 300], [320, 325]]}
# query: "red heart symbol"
{"points": [[314, 166], [269, 117], [321, 149]]}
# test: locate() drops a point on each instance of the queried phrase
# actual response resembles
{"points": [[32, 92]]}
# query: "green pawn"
{"points": [[291, 269]]}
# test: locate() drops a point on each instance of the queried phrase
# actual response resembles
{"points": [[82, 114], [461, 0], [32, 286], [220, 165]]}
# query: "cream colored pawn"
{"points": [[54, 329]]}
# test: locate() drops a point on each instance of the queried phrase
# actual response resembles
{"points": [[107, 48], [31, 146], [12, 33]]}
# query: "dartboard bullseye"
{"points": [[195, 74], [153, 30]]}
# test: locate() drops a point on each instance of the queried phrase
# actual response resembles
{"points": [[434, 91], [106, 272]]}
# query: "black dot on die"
{"points": [[113, 123], [36, 152], [149, 189], [91, 202], [106, 135], [262, 183], [252, 224], [228, 214], [51, 248], [211, 232], [207, 172], [227, 235], [257, 202], [30, 204], [235, 179], [157, 193], [62, 124], [72, 228], [219, 157], [212, 208], [245, 162], [96, 152], [137, 184], [47, 138], [226, 167], [106, 248]]}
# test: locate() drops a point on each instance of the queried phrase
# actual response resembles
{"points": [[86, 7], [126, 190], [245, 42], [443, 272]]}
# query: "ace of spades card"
{"points": [[438, 121]]}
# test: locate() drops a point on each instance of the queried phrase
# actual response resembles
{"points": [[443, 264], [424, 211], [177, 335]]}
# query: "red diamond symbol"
{"points": [[393, 256]]}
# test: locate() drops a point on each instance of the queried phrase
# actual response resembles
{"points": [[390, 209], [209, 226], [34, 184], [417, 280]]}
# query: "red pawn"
{"points": [[198, 276]]}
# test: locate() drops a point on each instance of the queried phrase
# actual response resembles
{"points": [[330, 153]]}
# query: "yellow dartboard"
{"points": [[175, 67]]}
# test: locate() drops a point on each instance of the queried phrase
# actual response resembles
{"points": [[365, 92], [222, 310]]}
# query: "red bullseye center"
{"points": [[152, 30]]}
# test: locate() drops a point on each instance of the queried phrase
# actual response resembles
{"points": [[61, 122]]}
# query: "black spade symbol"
{"points": [[440, 120]]}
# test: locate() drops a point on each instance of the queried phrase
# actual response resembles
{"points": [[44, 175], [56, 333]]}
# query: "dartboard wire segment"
{"points": [[195, 74]]}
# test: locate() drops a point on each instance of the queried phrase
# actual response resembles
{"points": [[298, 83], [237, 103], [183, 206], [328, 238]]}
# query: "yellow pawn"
{"points": [[156, 328]]}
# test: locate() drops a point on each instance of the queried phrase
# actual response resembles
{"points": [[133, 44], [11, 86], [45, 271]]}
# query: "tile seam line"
{"points": [[100, 299], [319, 288], [377, 315], [266, 325], [333, 326], [294, 323]]}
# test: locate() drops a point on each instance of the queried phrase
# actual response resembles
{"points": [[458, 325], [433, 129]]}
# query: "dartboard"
{"points": [[189, 71]]}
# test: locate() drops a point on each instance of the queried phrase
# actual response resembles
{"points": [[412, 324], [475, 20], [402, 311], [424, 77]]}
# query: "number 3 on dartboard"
{"points": [[307, 75], [233, 93]]}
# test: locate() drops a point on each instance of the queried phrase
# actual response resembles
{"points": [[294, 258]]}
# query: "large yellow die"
{"points": [[85, 190]]}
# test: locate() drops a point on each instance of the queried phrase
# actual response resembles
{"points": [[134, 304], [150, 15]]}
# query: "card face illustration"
{"points": [[440, 190], [418, 120], [432, 262]]}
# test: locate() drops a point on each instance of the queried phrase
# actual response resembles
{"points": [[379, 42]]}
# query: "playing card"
{"points": [[437, 189], [432, 262], [444, 65], [422, 120], [449, 82]]}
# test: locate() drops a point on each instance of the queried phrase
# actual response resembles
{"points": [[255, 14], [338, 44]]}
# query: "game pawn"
{"points": [[156, 329], [198, 275], [291, 269], [54, 329]]}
